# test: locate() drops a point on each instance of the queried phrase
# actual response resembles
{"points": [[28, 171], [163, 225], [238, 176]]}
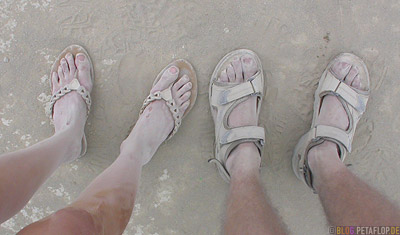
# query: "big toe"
{"points": [[168, 77], [83, 65], [249, 66], [238, 68], [353, 73], [340, 69]]}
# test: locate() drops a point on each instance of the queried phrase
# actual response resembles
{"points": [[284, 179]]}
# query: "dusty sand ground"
{"points": [[130, 41]]}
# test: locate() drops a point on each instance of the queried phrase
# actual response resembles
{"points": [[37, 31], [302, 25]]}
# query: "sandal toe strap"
{"points": [[74, 85], [357, 99], [166, 95], [223, 95]]}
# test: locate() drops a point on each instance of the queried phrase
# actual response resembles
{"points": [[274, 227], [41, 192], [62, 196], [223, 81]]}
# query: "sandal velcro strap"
{"points": [[332, 85], [243, 133], [166, 95], [223, 95], [332, 133], [231, 139], [74, 85]]}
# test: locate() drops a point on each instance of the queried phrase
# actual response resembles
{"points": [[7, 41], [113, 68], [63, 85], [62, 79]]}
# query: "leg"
{"points": [[24, 171], [248, 211], [345, 198], [106, 204]]}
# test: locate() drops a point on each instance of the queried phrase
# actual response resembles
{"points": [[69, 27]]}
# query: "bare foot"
{"points": [[156, 122], [245, 156], [332, 112], [70, 110]]}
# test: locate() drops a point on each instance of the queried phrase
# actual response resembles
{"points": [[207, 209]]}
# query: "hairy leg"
{"points": [[346, 199], [248, 211]]}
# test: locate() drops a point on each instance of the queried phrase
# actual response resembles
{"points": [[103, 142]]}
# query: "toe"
{"points": [[71, 63], [185, 106], [83, 66], [82, 63], [60, 75], [65, 68], [180, 83], [185, 97], [340, 69], [168, 77], [237, 67], [249, 66], [184, 89], [55, 82], [224, 76], [351, 75], [231, 73], [356, 82]]}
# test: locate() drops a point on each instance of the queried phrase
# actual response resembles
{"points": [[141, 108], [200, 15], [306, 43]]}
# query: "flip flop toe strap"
{"points": [[166, 95], [74, 85]]}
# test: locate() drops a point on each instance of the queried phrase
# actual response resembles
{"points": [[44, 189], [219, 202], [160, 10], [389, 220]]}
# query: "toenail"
{"points": [[69, 55], [81, 57], [63, 60], [247, 60], [173, 70]]}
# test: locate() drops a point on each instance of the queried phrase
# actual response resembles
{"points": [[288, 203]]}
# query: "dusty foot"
{"points": [[332, 112], [245, 156], [70, 110], [156, 122]]}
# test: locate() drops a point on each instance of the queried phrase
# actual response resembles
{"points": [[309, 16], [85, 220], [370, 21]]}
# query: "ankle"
{"points": [[135, 148], [71, 146], [244, 160], [322, 154], [324, 161]]}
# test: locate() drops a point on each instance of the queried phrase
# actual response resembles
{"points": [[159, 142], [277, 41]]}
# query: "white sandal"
{"points": [[354, 102], [224, 97], [74, 85], [185, 68]]}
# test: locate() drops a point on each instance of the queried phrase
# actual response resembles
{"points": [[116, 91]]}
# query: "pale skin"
{"points": [[343, 196], [346, 199], [106, 204]]}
